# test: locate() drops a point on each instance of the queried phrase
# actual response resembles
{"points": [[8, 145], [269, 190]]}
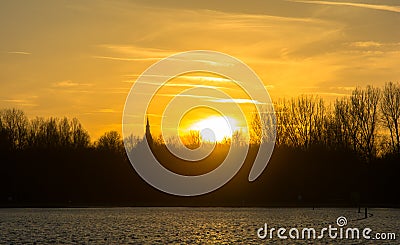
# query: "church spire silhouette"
{"points": [[149, 138]]}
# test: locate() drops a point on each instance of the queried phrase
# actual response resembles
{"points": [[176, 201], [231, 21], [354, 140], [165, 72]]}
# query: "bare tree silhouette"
{"points": [[364, 112], [256, 131], [238, 138], [300, 121], [269, 124], [111, 141], [192, 140], [390, 108], [131, 141], [80, 137], [15, 126], [57, 133], [344, 129]]}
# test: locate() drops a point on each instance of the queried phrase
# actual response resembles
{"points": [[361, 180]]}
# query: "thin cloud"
{"points": [[345, 88], [20, 102], [19, 52], [70, 84], [269, 86], [189, 85], [327, 94], [154, 115], [138, 75], [239, 101], [389, 46], [106, 110], [140, 53], [395, 9], [367, 44], [199, 79], [137, 50], [185, 85], [15, 101], [127, 59], [207, 78], [204, 97], [194, 78], [213, 63]]}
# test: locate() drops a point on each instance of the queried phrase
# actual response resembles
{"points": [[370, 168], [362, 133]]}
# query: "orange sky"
{"points": [[79, 59], [207, 96]]}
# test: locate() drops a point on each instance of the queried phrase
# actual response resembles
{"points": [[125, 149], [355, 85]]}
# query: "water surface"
{"points": [[180, 225]]}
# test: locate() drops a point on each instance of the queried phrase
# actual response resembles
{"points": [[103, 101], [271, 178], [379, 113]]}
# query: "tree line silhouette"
{"points": [[343, 153], [366, 122]]}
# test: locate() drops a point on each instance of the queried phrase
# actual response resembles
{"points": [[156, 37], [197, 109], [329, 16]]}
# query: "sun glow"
{"points": [[215, 128]]}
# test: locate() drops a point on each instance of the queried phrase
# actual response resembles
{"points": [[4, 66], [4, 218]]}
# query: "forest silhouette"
{"points": [[346, 153]]}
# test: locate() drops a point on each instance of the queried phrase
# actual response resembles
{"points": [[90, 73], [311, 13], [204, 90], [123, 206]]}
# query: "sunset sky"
{"points": [[202, 108], [79, 59]]}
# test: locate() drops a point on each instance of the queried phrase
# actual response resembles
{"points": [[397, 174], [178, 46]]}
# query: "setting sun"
{"points": [[215, 128]]}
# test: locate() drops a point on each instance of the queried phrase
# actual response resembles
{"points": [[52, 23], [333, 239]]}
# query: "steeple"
{"points": [[148, 133]]}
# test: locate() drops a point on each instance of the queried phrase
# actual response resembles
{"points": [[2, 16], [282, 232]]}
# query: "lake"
{"points": [[183, 225]]}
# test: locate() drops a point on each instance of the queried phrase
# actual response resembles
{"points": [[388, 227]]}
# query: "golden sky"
{"points": [[80, 58]]}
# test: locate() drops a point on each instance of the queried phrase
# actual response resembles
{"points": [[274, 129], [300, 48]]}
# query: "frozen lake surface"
{"points": [[183, 225]]}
